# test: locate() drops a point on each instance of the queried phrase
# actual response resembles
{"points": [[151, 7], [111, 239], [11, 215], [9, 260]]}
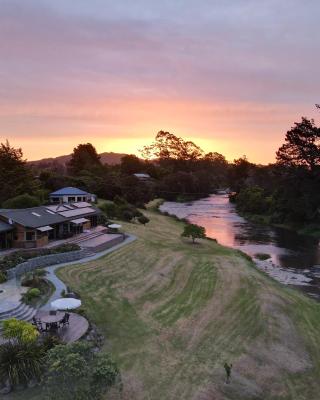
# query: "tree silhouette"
{"points": [[302, 147], [84, 157]]}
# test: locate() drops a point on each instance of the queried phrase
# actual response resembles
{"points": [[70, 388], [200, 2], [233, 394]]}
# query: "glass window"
{"points": [[30, 235]]}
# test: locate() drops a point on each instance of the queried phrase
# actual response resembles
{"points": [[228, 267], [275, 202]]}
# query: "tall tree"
{"points": [[302, 147], [239, 172], [172, 151], [15, 176], [84, 157], [131, 164]]}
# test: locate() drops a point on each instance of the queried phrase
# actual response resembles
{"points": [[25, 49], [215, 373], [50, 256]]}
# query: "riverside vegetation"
{"points": [[286, 192], [173, 313]]}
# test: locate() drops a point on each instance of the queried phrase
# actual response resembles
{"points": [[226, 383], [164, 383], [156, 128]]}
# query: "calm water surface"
{"points": [[295, 259]]}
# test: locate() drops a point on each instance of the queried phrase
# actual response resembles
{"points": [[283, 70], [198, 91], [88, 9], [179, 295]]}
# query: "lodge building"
{"points": [[70, 195], [36, 226]]}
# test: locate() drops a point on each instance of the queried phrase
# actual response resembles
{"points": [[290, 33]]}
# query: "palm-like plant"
{"points": [[20, 362]]}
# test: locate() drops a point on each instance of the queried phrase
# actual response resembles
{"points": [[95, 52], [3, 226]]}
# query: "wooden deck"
{"points": [[78, 326]]}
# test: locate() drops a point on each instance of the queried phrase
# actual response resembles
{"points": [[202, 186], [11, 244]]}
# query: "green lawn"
{"points": [[172, 313]]}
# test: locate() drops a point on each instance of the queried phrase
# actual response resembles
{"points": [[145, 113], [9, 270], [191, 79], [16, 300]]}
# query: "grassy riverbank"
{"points": [[173, 313]]}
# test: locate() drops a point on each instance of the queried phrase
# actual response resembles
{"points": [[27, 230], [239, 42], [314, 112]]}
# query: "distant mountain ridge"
{"points": [[106, 158]]}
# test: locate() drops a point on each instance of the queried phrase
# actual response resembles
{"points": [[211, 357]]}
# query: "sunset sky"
{"points": [[231, 75]]}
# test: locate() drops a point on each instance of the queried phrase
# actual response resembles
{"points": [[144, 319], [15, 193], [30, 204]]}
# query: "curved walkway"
{"points": [[59, 285]]}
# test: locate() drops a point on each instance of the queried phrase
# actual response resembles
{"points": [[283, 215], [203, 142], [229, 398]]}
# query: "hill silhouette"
{"points": [[106, 158]]}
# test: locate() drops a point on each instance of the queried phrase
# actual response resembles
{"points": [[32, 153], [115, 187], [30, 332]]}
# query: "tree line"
{"points": [[286, 191]]}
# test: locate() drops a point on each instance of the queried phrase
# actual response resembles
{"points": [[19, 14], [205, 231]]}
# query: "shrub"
{"points": [[136, 213], [50, 341], [20, 362], [3, 277], [34, 292], [40, 272], [194, 231], [262, 256], [75, 372], [143, 219], [253, 200], [31, 294], [28, 280], [141, 205], [64, 248], [21, 331], [21, 201], [109, 208], [127, 215], [119, 200], [103, 220]]}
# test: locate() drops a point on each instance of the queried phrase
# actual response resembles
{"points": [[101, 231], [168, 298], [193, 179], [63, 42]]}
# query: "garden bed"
{"points": [[20, 256]]}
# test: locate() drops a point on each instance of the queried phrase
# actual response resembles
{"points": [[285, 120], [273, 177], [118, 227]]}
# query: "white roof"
{"points": [[45, 228], [81, 204], [79, 221], [77, 211]]}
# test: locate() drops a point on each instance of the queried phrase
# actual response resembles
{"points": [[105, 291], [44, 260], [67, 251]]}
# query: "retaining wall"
{"points": [[45, 261]]}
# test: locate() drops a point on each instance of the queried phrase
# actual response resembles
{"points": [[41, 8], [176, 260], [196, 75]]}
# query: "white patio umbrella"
{"points": [[65, 304], [114, 226]]}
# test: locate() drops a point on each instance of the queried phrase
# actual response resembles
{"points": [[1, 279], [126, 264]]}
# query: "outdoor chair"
{"points": [[62, 321], [40, 327], [65, 320], [37, 323], [54, 326], [51, 326]]}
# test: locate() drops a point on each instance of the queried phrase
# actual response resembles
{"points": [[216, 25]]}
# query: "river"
{"points": [[294, 259]]}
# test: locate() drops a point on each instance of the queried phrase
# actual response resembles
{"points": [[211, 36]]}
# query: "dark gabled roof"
{"points": [[36, 217], [5, 227], [69, 191], [33, 217]]}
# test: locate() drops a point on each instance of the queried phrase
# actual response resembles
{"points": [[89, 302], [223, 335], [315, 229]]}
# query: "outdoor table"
{"points": [[49, 319]]}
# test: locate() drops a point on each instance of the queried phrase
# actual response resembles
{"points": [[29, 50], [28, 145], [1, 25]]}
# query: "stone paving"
{"points": [[10, 294]]}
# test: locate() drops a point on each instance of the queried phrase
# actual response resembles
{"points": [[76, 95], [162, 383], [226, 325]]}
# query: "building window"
{"points": [[71, 199], [30, 235], [55, 199]]}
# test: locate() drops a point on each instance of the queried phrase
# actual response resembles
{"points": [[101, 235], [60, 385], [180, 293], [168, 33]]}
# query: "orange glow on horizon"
{"points": [[125, 127]]}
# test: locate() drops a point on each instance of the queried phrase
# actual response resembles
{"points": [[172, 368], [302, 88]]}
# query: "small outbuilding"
{"points": [[71, 195]]}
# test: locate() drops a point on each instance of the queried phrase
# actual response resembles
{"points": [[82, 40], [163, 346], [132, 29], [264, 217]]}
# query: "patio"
{"points": [[75, 329]]}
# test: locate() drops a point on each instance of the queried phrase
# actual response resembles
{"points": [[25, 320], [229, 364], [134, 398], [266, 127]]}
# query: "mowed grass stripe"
{"points": [[171, 327], [194, 295]]}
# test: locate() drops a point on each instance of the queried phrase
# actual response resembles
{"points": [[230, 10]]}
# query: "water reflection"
{"points": [[287, 249]]}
